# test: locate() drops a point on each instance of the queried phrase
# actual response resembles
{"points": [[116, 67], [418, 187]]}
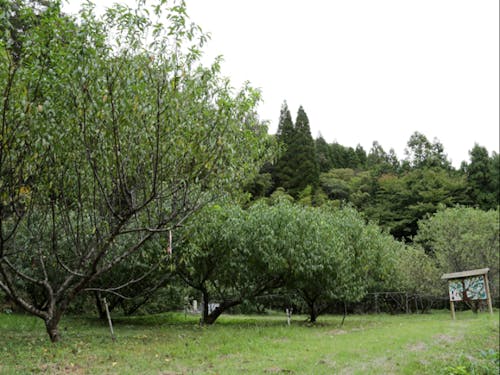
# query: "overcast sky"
{"points": [[365, 70]]}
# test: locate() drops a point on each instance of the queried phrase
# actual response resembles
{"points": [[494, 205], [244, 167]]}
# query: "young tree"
{"points": [[112, 134], [340, 258], [463, 238]]}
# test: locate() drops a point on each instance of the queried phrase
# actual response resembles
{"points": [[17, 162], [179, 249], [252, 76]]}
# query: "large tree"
{"points": [[112, 134], [232, 255], [339, 258], [283, 171], [297, 167], [304, 152], [463, 238], [482, 178], [421, 153]]}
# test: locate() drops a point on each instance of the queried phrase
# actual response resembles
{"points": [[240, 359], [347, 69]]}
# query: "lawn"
{"points": [[176, 344]]}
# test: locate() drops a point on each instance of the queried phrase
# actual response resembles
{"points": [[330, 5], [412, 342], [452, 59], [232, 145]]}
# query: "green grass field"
{"points": [[175, 344]]}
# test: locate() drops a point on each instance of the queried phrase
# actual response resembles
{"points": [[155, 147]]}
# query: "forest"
{"points": [[130, 171]]}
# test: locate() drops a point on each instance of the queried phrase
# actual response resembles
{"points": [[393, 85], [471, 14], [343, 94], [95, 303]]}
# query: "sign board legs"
{"points": [[488, 295]]}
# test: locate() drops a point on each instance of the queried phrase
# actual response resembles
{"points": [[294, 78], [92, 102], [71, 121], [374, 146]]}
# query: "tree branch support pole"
{"points": [[109, 320]]}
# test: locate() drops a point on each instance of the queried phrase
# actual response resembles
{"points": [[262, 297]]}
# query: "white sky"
{"points": [[365, 70]]}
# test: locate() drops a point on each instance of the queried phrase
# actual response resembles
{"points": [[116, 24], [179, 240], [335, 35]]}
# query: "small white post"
{"points": [[289, 312]]}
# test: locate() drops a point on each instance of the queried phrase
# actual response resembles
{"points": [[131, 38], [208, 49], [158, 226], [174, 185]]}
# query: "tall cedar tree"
{"points": [[481, 179], [283, 172], [303, 152], [298, 165]]}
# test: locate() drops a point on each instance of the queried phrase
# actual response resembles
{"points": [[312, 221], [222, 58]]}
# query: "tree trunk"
{"points": [[204, 313], [212, 317], [313, 312], [98, 304], [131, 310], [51, 325]]}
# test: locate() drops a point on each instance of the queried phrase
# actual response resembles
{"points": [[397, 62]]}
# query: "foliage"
{"points": [[400, 201], [282, 172], [381, 162], [421, 153], [108, 140], [418, 273], [461, 239], [483, 178], [342, 258], [397, 193], [297, 167], [232, 255]]}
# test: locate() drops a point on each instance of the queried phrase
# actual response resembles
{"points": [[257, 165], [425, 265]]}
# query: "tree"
{"points": [[107, 143], [482, 178], [20, 16], [349, 186], [283, 171], [297, 167], [323, 154], [232, 255], [461, 239], [381, 162], [206, 251], [336, 185], [361, 156], [340, 258], [422, 153], [418, 272], [400, 201], [304, 152]]}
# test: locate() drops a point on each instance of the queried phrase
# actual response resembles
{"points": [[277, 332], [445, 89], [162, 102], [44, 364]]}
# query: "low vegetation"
{"points": [[176, 344]]}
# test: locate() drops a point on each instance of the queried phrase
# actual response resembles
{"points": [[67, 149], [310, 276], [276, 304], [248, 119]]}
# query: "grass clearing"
{"points": [[174, 344]]}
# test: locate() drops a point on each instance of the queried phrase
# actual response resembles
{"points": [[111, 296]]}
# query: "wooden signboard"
{"points": [[468, 286]]}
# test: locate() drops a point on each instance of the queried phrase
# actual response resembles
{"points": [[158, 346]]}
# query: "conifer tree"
{"points": [[297, 167], [323, 154], [480, 173], [282, 172], [304, 161]]}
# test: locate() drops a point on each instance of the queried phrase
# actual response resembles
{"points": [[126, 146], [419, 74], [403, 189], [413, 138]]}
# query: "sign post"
{"points": [[468, 286]]}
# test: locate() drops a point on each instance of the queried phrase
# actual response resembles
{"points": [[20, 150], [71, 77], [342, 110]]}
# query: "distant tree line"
{"points": [[394, 193]]}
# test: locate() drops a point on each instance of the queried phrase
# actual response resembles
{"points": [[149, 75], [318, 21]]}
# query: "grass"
{"points": [[174, 344]]}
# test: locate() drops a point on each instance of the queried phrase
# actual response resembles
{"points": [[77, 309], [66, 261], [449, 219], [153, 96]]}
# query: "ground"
{"points": [[171, 344]]}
